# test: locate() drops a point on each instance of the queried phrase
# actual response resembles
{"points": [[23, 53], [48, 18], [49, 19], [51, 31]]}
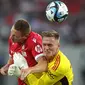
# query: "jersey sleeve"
{"points": [[46, 79], [37, 50]]}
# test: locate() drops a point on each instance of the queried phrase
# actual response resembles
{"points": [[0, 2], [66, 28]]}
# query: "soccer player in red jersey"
{"points": [[29, 44]]}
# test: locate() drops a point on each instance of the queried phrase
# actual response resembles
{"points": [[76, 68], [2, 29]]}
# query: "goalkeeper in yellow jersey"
{"points": [[59, 67]]}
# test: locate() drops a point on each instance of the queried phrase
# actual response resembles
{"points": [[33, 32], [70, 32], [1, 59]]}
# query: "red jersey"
{"points": [[31, 49]]}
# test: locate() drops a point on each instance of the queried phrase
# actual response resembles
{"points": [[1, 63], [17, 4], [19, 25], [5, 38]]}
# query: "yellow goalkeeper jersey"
{"points": [[59, 72]]}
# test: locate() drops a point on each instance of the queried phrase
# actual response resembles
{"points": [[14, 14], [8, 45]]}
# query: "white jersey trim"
{"points": [[38, 56]]}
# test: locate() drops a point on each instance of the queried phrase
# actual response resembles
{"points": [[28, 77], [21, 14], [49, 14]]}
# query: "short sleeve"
{"points": [[37, 51]]}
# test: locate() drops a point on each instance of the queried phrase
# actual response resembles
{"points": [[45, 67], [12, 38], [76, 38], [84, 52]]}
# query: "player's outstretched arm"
{"points": [[40, 67]]}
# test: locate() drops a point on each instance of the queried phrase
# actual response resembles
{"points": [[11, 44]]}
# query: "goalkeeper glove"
{"points": [[14, 70]]}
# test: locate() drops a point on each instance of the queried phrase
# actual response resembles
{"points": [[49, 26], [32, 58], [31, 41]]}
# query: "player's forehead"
{"points": [[15, 32], [49, 39]]}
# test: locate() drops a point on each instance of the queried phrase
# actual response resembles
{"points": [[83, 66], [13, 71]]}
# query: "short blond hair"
{"points": [[51, 33]]}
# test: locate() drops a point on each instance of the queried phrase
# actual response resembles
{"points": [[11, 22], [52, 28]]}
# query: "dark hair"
{"points": [[22, 26], [51, 33]]}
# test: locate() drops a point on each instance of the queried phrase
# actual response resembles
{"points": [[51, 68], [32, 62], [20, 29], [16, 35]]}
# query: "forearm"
{"points": [[6, 66], [40, 67], [4, 69], [8, 63]]}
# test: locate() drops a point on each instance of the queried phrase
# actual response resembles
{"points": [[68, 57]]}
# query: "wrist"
{"points": [[6, 66], [31, 70]]}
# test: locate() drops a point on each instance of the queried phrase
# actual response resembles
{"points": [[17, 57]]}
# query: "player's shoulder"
{"points": [[34, 38], [64, 61], [36, 35], [63, 56], [60, 60]]}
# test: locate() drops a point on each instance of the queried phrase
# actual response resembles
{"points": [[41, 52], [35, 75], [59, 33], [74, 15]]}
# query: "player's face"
{"points": [[50, 47], [16, 36]]}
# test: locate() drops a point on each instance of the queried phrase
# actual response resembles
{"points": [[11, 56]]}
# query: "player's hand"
{"points": [[20, 61], [4, 69], [14, 70], [24, 73]]}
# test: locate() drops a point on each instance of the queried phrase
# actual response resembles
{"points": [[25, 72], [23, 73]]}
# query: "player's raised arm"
{"points": [[41, 66]]}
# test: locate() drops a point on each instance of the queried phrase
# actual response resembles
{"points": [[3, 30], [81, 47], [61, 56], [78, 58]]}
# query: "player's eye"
{"points": [[44, 44], [50, 45]]}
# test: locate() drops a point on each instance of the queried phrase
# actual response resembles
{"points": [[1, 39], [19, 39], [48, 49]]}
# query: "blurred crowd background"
{"points": [[72, 31]]}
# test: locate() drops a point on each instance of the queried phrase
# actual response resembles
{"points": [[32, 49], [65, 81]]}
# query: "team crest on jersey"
{"points": [[38, 48]]}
